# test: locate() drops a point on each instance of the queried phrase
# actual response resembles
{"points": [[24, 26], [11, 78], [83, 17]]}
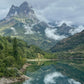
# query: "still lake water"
{"points": [[56, 72]]}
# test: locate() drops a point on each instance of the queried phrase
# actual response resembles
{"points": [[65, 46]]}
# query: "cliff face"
{"points": [[23, 10]]}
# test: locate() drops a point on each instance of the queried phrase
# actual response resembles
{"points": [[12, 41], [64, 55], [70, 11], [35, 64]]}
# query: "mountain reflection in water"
{"points": [[56, 72]]}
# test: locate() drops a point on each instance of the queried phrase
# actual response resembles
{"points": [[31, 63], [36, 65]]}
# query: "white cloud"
{"points": [[67, 10], [28, 29], [69, 23], [56, 10], [76, 30], [40, 16], [51, 33], [14, 30], [3, 13]]}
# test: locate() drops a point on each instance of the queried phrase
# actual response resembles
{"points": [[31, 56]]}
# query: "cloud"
{"points": [[64, 10], [77, 30], [40, 16], [14, 30], [52, 10], [28, 29], [3, 13], [69, 23], [50, 33]]}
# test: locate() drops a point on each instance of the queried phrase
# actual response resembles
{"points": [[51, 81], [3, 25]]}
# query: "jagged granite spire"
{"points": [[13, 10], [25, 3], [23, 10]]}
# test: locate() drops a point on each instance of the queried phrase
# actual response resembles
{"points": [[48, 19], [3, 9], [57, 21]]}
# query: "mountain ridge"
{"points": [[28, 27], [70, 43], [23, 10]]}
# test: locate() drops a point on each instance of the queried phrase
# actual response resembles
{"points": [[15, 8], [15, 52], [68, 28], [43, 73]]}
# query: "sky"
{"points": [[70, 11]]}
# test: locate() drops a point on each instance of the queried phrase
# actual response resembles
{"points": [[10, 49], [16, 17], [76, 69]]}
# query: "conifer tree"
{"points": [[6, 49], [15, 51]]}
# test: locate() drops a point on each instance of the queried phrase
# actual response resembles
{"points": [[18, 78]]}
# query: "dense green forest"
{"points": [[14, 53], [11, 56]]}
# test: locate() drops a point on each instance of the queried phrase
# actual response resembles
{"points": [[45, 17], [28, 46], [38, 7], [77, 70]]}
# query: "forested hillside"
{"points": [[72, 47], [14, 53]]}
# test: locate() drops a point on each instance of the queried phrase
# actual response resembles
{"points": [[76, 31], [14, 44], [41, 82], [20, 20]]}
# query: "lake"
{"points": [[55, 72]]}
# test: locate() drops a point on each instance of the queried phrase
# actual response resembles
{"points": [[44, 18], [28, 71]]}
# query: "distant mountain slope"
{"points": [[75, 43], [64, 29]]}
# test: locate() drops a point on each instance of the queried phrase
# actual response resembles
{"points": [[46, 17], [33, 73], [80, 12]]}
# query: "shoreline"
{"points": [[23, 77], [11, 80], [39, 60]]}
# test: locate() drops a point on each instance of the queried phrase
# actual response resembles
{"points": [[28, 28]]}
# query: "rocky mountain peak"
{"points": [[12, 11], [23, 10], [64, 25], [25, 3], [13, 6]]}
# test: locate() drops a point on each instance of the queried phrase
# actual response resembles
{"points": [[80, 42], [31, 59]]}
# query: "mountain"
{"points": [[23, 10], [22, 22], [64, 29], [70, 48], [73, 43]]}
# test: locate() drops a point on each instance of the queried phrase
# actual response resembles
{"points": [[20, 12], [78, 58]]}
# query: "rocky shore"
{"points": [[13, 80], [17, 79]]}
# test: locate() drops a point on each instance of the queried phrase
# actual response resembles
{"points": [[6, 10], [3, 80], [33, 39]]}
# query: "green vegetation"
{"points": [[38, 37], [75, 42], [72, 47], [14, 53], [11, 59]]}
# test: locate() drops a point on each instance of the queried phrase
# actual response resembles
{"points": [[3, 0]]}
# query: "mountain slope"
{"points": [[75, 42], [21, 22]]}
